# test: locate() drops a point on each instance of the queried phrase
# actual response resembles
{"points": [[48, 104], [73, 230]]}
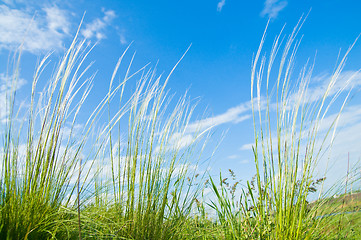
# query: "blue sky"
{"points": [[224, 36]]}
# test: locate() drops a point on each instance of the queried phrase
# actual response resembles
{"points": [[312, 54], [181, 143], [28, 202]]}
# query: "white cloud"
{"points": [[345, 82], [43, 32], [14, 2], [72, 131], [220, 5], [233, 156], [122, 39], [272, 8], [57, 20], [181, 169], [9, 2], [97, 26], [121, 34], [179, 141], [244, 161], [232, 115], [247, 146], [334, 163]]}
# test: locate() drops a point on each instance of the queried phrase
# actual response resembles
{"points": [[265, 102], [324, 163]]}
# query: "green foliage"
{"points": [[36, 173], [288, 146], [59, 182]]}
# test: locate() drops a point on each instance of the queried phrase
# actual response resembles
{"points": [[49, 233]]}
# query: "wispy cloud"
{"points": [[180, 141], [43, 32], [220, 5], [57, 20], [333, 84], [344, 82], [232, 115], [197, 129], [334, 163], [244, 161], [234, 156], [97, 26], [6, 85], [9, 2], [273, 7], [122, 39], [247, 146]]}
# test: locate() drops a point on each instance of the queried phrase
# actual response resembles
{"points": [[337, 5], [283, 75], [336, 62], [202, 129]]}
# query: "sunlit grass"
{"points": [[64, 182], [130, 170], [288, 146]]}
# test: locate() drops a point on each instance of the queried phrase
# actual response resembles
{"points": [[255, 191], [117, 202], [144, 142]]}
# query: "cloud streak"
{"points": [[232, 115], [220, 5], [345, 82], [272, 8]]}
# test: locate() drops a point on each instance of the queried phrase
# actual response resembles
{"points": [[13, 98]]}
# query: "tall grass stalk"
{"points": [[38, 160], [151, 188], [286, 160], [288, 146], [131, 179]]}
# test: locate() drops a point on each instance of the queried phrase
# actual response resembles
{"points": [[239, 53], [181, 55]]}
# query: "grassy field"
{"points": [[59, 182]]}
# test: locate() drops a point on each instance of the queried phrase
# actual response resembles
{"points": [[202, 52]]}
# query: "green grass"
{"points": [[287, 149], [126, 174]]}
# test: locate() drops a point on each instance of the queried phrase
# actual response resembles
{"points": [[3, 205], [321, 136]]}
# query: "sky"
{"points": [[224, 36]]}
